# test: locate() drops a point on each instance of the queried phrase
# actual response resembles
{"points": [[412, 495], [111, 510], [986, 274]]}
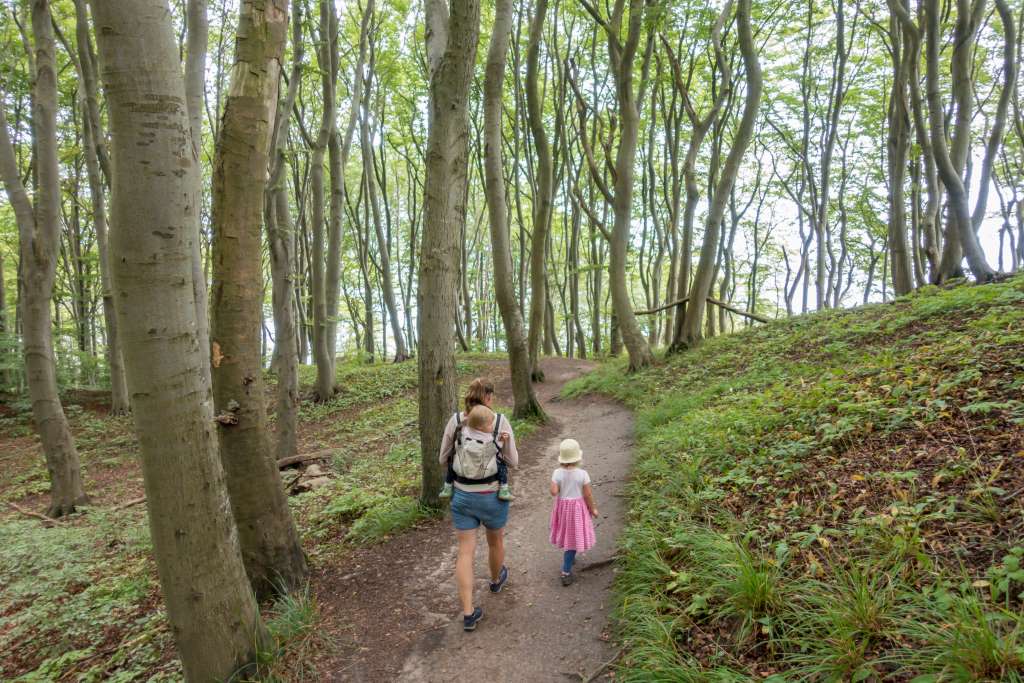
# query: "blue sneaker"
{"points": [[469, 622], [496, 586]]}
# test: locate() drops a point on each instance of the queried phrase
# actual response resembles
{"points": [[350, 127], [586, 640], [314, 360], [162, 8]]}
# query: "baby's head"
{"points": [[480, 418]]}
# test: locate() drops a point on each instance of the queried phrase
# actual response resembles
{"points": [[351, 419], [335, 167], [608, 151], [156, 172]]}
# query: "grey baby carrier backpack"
{"points": [[476, 461]]}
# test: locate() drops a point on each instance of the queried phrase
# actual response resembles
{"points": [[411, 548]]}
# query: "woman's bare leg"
{"points": [[495, 551], [464, 568]]}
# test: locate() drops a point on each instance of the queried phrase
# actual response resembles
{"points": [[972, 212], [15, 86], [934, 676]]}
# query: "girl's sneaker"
{"points": [[446, 491], [505, 493], [567, 579]]}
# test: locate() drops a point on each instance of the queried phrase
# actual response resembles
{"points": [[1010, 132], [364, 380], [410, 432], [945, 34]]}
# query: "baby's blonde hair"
{"points": [[479, 418]]}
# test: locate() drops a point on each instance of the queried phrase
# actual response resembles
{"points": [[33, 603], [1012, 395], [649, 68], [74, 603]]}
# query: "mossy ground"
{"points": [[833, 497]]}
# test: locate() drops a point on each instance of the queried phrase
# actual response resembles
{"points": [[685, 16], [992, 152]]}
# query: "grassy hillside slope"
{"points": [[838, 496]]}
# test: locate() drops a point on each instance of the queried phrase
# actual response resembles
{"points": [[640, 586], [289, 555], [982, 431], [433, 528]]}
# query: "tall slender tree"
{"points": [[452, 29], [526, 403], [39, 242], [270, 544], [704, 276], [622, 56]]}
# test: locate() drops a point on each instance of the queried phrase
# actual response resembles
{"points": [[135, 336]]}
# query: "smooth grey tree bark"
{"points": [[319, 279], [960, 236], [155, 206], [451, 36], [622, 53], [95, 149], [524, 397], [198, 30], [543, 191], [383, 253], [38, 244], [703, 277], [281, 246], [897, 147], [270, 545], [700, 125]]}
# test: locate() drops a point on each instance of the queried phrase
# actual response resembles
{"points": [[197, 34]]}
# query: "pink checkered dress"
{"points": [[571, 526]]}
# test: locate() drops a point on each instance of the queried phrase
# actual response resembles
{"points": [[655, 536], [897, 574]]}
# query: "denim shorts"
{"points": [[470, 510]]}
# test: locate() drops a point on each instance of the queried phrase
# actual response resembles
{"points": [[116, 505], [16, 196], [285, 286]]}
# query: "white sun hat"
{"points": [[569, 452]]}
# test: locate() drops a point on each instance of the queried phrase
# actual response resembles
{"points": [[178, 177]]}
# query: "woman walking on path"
{"points": [[476, 501]]}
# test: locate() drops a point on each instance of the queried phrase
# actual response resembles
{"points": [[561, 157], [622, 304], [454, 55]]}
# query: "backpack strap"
{"points": [[494, 436], [458, 428]]}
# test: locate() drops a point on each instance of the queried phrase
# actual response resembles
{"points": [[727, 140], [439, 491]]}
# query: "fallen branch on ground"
{"points": [[308, 457], [129, 503], [716, 302], [47, 520]]}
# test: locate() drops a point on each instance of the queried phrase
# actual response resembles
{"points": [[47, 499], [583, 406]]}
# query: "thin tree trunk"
{"points": [[961, 238], [156, 187], [451, 55], [94, 144], [269, 541], [195, 95], [525, 400], [38, 241], [703, 278], [321, 326], [542, 198], [401, 353], [281, 247], [897, 145]]}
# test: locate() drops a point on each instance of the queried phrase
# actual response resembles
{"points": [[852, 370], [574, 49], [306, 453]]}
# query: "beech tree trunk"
{"points": [[639, 350], [961, 240], [897, 145], [94, 147], [269, 541], [322, 348], [39, 242], [401, 352], [195, 97], [704, 276], [700, 125], [542, 198], [281, 247], [156, 188], [451, 54]]}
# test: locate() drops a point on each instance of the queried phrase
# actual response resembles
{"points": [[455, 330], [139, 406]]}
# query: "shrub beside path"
{"points": [[395, 616]]}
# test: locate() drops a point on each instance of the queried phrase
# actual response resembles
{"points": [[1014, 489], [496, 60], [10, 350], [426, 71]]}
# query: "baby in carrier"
{"points": [[470, 451]]}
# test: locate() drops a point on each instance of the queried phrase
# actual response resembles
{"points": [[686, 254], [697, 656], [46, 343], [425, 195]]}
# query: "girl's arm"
{"points": [[588, 498], [554, 489]]}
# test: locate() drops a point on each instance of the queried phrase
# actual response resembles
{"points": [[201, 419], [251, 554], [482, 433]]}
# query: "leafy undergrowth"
{"points": [[834, 497], [81, 601]]}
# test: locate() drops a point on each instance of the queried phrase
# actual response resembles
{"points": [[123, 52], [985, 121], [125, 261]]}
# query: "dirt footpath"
{"points": [[397, 612]]}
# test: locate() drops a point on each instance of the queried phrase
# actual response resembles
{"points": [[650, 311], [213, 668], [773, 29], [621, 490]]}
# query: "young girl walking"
{"points": [[572, 529]]}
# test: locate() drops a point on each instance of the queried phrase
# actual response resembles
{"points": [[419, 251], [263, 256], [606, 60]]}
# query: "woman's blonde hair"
{"points": [[478, 391]]}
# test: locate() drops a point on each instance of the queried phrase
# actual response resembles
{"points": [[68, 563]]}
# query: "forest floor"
{"points": [[80, 600]]}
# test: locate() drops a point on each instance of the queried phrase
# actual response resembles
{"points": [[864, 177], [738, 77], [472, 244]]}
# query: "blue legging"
{"points": [[567, 560]]}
